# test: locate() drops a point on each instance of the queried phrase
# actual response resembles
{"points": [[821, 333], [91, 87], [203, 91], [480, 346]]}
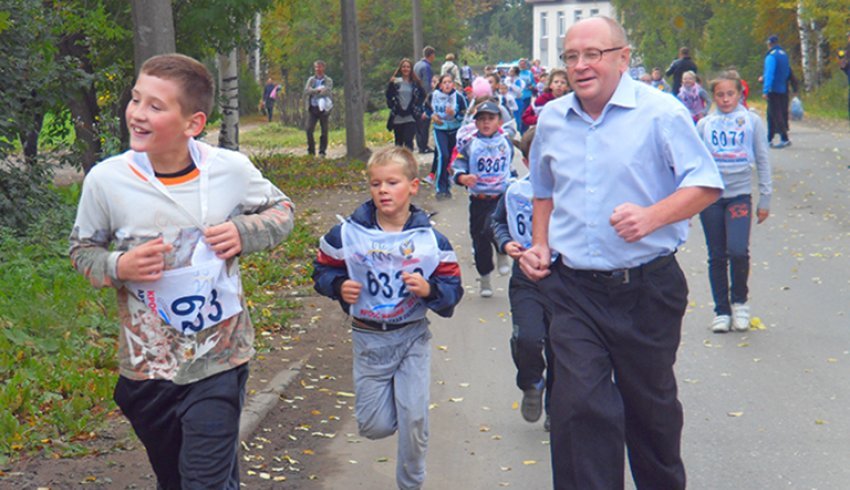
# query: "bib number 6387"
{"points": [[186, 306]]}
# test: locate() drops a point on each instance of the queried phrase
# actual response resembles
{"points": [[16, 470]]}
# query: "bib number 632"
{"points": [[186, 306]]}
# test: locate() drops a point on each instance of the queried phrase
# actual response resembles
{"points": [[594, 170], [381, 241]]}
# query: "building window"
{"points": [[544, 36], [576, 15], [562, 24], [544, 26], [594, 12]]}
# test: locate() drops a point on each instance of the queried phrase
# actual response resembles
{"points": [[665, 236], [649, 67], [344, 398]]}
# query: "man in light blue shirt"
{"points": [[617, 168]]}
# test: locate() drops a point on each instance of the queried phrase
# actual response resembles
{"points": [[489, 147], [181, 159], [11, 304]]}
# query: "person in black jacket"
{"points": [[405, 97], [679, 66]]}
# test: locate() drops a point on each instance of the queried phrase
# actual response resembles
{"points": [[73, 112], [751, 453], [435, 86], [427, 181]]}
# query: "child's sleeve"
{"points": [[704, 94], [90, 239], [461, 107], [499, 224], [460, 166], [762, 161], [446, 288], [268, 216], [329, 271]]}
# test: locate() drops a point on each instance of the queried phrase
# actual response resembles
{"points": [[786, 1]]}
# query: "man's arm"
{"points": [[633, 222]]}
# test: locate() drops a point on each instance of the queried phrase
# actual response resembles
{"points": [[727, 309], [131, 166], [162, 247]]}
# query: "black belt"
{"points": [[378, 326], [486, 197], [619, 277]]}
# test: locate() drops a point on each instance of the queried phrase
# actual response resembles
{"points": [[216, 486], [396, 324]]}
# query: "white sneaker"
{"points": [[486, 288], [721, 324], [741, 316], [503, 264]]}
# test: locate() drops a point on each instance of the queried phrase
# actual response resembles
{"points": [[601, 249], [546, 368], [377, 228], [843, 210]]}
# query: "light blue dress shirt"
{"points": [[642, 148]]}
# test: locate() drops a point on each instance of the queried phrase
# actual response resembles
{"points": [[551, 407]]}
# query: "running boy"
{"points": [[484, 167], [511, 224], [164, 224], [387, 266]]}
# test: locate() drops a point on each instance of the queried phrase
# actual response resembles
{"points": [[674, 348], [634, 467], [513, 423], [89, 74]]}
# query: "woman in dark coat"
{"points": [[405, 98]]}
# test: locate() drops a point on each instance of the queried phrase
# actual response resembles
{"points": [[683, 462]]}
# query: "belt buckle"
{"points": [[622, 273]]}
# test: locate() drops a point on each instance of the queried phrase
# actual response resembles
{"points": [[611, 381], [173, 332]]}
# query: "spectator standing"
{"points": [[466, 75], [319, 91], [423, 71], [777, 73], [617, 168], [270, 97], [679, 66], [451, 68], [405, 99]]}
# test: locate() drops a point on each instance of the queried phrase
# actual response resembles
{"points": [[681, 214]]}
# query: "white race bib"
{"points": [[191, 299], [519, 207], [490, 161], [376, 259], [729, 138]]}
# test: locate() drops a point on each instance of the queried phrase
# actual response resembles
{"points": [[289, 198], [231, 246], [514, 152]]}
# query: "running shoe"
{"points": [[486, 287], [721, 324], [741, 316], [532, 403]]}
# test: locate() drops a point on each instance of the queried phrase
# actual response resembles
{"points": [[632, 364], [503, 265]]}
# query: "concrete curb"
{"points": [[264, 400]]}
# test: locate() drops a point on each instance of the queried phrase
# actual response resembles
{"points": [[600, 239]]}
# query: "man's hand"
{"points": [[468, 180], [144, 263], [224, 239], [350, 291], [762, 215], [535, 262], [632, 222], [416, 284], [514, 249]]}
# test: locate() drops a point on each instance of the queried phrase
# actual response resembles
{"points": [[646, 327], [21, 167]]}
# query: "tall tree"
{"points": [[153, 29], [228, 96], [355, 134]]}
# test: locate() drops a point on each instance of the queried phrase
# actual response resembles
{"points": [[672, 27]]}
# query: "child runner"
{"points": [[387, 266], [658, 82], [556, 86], [736, 138], [694, 97], [164, 224], [511, 225], [484, 167], [446, 110]]}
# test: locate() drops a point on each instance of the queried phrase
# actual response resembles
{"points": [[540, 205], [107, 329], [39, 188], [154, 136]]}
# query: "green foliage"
{"points": [[502, 32], [250, 92], [270, 137], [829, 100], [25, 195], [57, 344]]}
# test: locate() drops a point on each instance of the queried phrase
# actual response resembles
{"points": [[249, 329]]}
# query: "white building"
{"points": [[552, 18]]}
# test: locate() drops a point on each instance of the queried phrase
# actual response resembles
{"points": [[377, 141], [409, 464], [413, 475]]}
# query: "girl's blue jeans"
{"points": [[726, 224]]}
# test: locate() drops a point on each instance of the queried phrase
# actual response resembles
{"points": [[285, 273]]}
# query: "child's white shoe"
{"points": [[503, 264], [486, 287], [741, 316]]}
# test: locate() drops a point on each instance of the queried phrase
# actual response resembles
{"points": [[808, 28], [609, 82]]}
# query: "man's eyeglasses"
{"points": [[590, 56]]}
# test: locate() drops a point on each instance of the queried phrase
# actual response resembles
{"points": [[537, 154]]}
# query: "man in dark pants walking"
{"points": [[612, 195], [319, 91], [777, 72], [678, 68], [423, 70]]}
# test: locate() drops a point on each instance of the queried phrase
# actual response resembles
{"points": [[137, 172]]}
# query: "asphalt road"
{"points": [[764, 409]]}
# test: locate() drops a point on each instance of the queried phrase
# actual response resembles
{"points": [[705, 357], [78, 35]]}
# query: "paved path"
{"points": [[764, 409]]}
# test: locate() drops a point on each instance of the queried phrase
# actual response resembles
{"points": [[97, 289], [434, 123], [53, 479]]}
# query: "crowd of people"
{"points": [[597, 296]]}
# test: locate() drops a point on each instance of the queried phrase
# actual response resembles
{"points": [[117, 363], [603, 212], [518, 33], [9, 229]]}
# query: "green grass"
{"points": [[829, 100], [270, 137], [58, 335]]}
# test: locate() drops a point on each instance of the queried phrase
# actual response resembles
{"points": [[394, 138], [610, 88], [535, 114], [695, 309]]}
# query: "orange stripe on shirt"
{"points": [[179, 180]]}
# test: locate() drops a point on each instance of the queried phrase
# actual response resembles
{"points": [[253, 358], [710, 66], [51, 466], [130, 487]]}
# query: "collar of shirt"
{"points": [[624, 96]]}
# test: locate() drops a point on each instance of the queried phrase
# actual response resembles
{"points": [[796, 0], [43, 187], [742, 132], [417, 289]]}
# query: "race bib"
{"points": [[729, 138], [490, 161], [519, 206], [191, 299], [376, 259]]}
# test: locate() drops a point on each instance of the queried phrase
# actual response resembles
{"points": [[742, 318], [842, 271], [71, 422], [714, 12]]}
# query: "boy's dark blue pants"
{"points": [[615, 346], [482, 236], [445, 141], [531, 314], [190, 431]]}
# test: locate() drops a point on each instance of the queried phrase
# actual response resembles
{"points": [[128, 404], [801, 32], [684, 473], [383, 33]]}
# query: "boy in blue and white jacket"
{"points": [[387, 266], [530, 308], [484, 166]]}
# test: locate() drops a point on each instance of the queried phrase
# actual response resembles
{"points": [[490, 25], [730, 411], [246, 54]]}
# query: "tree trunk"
{"points": [[805, 47], [255, 53], [821, 51], [228, 91], [355, 134], [83, 102], [153, 29], [418, 44]]}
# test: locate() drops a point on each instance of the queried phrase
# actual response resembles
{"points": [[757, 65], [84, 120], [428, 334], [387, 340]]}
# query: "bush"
{"points": [[25, 194], [250, 92]]}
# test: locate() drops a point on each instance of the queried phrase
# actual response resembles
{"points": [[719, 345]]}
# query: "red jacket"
{"points": [[529, 116]]}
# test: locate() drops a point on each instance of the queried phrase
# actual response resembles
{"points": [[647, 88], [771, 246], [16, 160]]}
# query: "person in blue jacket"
{"points": [[777, 72], [387, 267]]}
